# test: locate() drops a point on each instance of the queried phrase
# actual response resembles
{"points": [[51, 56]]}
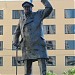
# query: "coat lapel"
{"points": [[26, 21], [29, 19]]}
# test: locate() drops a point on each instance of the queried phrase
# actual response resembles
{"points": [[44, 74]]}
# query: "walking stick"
{"points": [[16, 58], [17, 47]]}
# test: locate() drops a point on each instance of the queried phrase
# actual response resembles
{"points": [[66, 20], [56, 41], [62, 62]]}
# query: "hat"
{"points": [[27, 3]]}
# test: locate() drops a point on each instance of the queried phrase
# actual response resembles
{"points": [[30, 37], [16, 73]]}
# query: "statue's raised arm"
{"points": [[48, 8]]}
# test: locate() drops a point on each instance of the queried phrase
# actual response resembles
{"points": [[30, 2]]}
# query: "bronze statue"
{"points": [[31, 30]]}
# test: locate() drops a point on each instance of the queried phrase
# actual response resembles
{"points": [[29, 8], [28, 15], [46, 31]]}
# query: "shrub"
{"points": [[69, 72], [50, 73]]}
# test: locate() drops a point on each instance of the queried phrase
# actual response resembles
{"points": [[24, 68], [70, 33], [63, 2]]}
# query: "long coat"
{"points": [[31, 30]]}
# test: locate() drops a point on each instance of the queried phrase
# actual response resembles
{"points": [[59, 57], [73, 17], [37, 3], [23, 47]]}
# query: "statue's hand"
{"points": [[16, 45]]}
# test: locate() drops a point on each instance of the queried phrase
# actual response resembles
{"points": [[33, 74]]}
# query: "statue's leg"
{"points": [[28, 67], [42, 66]]}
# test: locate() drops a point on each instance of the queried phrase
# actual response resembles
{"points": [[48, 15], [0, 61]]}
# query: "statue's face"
{"points": [[27, 9]]}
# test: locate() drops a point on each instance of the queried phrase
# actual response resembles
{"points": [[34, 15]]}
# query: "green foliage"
{"points": [[50, 73], [69, 72]]}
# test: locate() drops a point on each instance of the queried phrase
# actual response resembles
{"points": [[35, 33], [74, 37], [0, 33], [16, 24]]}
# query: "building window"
{"points": [[16, 14], [13, 29], [51, 61], [1, 14], [1, 61], [1, 45], [1, 30], [70, 60], [69, 13], [49, 29], [51, 45], [20, 61], [70, 44], [52, 15], [70, 29]]}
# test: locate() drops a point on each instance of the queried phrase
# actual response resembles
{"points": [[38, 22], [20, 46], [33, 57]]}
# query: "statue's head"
{"points": [[27, 5]]}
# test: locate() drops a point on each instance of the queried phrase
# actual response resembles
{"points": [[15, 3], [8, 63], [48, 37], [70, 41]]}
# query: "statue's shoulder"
{"points": [[39, 11], [22, 17], [34, 13]]}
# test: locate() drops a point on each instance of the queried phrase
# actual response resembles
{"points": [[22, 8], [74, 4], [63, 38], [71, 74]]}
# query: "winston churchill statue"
{"points": [[33, 44]]}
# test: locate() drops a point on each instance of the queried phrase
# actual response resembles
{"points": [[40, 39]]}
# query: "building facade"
{"points": [[59, 30]]}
